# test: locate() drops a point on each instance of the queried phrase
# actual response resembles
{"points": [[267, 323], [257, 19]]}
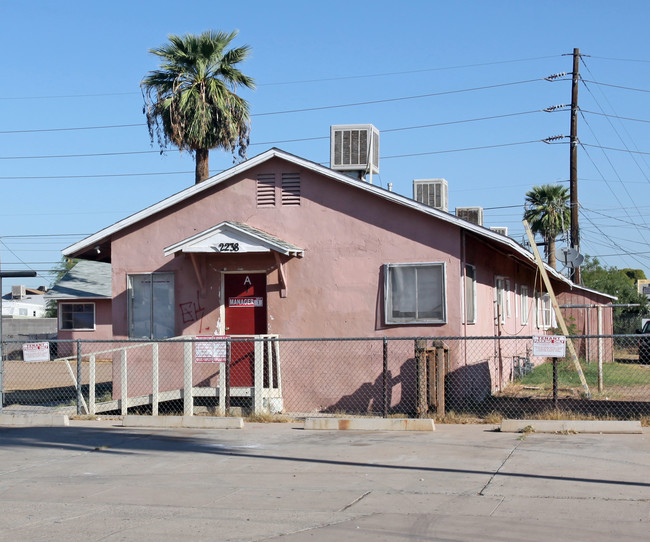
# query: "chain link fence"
{"points": [[446, 377]]}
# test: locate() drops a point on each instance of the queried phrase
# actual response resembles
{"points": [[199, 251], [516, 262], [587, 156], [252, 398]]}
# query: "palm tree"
{"points": [[191, 101], [548, 212]]}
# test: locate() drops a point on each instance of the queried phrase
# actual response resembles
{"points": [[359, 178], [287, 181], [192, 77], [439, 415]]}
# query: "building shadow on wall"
{"points": [[468, 385], [369, 398]]}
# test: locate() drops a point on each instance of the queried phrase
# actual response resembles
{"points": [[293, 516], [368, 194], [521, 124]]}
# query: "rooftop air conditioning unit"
{"points": [[18, 292], [471, 214], [503, 230], [354, 149], [432, 192]]}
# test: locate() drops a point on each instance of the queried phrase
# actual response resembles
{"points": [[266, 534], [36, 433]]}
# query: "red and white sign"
{"points": [[36, 351], [549, 346], [246, 302], [211, 350]]}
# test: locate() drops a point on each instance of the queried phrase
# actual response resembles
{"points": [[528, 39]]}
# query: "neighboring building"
{"points": [[281, 245], [643, 287], [83, 298], [23, 302]]}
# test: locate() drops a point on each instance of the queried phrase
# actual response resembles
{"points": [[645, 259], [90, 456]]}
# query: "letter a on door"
{"points": [[248, 281]]}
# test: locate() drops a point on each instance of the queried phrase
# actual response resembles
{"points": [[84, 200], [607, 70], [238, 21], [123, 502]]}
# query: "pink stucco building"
{"points": [[281, 245]]}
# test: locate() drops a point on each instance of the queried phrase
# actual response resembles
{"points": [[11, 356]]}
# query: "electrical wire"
{"points": [[390, 100], [615, 86], [320, 80]]}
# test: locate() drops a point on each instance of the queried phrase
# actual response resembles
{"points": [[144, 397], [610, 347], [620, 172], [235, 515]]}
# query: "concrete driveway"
{"points": [[97, 481]]}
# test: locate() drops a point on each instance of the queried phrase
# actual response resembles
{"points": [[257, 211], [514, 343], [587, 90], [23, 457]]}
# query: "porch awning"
{"points": [[234, 238]]}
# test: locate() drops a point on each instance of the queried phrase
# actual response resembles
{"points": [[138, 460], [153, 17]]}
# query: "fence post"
{"points": [[188, 400], [600, 348], [420, 378], [442, 352], [258, 376], [155, 385], [2, 370], [123, 384], [555, 383], [385, 379], [228, 357], [91, 385], [79, 394]]}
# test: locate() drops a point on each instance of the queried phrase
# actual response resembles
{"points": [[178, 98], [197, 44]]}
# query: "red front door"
{"points": [[245, 301]]}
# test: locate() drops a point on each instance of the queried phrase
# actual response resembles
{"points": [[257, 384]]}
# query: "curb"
{"points": [[369, 424], [192, 422], [572, 426], [34, 420]]}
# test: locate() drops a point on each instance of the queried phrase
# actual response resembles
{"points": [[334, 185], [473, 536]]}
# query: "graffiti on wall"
{"points": [[192, 311]]}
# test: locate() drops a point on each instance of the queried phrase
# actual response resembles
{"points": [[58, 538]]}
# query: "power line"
{"points": [[460, 150], [338, 78], [615, 86], [388, 130], [407, 72], [608, 115], [620, 59], [38, 130], [143, 152], [389, 100]]}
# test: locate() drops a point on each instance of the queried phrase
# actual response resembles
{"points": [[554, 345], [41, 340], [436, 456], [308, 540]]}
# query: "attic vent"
{"points": [[291, 189], [266, 190], [503, 230], [431, 192], [354, 147], [471, 214]]}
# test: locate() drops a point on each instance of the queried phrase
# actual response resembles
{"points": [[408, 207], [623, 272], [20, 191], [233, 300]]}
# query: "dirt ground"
{"points": [[21, 375]]}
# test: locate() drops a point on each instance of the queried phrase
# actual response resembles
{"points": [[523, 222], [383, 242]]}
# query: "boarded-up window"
{"points": [[151, 306], [291, 189], [266, 190]]}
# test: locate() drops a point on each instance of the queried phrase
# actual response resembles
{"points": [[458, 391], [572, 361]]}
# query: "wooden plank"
{"points": [[556, 307]]}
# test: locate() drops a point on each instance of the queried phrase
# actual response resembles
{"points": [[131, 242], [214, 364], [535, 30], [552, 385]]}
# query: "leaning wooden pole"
{"points": [[556, 307]]}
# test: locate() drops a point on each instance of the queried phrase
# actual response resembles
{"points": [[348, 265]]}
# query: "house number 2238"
{"points": [[228, 247]]}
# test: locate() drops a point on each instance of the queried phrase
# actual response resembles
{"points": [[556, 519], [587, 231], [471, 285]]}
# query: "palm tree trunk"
{"points": [[551, 253], [202, 157]]}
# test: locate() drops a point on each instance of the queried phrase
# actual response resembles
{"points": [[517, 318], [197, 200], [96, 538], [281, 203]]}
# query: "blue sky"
{"points": [[78, 65]]}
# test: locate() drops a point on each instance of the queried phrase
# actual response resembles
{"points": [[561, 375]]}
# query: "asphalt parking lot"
{"points": [[97, 480]]}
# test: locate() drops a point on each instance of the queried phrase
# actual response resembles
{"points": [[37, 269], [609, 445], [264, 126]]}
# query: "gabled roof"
{"points": [[233, 234], [86, 280], [101, 236]]}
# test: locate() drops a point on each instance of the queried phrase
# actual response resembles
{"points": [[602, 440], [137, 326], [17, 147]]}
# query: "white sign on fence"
{"points": [[213, 350], [36, 351], [549, 346]]}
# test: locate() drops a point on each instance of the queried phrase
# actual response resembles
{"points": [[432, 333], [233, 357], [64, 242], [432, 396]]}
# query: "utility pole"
{"points": [[573, 163]]}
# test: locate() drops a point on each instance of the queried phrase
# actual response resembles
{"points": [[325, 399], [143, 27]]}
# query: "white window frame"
{"points": [[524, 298], [508, 304], [472, 285], [392, 320], [499, 299], [71, 303], [544, 310]]}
